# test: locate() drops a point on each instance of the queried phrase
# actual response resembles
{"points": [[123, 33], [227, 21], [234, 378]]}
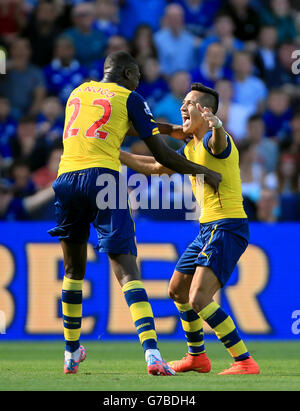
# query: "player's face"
{"points": [[191, 116]]}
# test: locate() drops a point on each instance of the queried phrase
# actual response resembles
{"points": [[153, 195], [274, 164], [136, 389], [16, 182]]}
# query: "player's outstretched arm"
{"points": [[141, 117], [218, 141], [173, 130], [143, 164], [164, 155]]}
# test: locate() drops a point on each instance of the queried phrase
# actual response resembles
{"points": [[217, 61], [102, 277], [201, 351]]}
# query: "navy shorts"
{"points": [[219, 246], [76, 198]]}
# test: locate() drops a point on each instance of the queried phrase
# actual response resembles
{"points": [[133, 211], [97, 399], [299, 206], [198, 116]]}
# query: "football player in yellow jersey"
{"points": [[98, 115], [210, 259]]}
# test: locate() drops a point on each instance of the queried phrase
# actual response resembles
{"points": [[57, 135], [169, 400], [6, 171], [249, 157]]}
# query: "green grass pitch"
{"points": [[121, 367]]}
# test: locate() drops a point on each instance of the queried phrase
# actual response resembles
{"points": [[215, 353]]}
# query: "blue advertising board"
{"points": [[263, 294]]}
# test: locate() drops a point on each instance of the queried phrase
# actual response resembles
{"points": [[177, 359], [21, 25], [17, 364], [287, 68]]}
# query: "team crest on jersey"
{"points": [[147, 109]]}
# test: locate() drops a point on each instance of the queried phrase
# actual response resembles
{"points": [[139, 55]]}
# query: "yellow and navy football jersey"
{"points": [[228, 201], [97, 117]]}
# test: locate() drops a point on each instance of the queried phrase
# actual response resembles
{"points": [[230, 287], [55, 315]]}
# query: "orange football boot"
{"points": [[248, 366], [199, 363]]}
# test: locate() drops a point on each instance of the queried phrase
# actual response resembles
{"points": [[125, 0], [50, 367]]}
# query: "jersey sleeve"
{"points": [[140, 115], [224, 153]]}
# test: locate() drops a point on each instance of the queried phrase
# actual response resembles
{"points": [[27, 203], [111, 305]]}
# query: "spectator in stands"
{"points": [[50, 121], [42, 30], [252, 173], [233, 115], [283, 75], [249, 90], [21, 179], [83, 34], [8, 128], [23, 84], [65, 72], [278, 115], [285, 178], [266, 150], [268, 206], [107, 17], [199, 15], [45, 176], [11, 208], [295, 135], [142, 45], [169, 107], [115, 43], [246, 19], [153, 87], [286, 181], [279, 15], [12, 19], [223, 32], [266, 53], [175, 45], [213, 66], [27, 146], [133, 13], [15, 208], [258, 105]]}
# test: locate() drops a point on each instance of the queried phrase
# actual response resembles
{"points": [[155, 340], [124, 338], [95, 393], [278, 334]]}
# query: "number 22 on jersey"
{"points": [[94, 130]]}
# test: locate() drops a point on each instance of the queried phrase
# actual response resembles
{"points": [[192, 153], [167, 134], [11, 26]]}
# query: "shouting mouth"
{"points": [[186, 120]]}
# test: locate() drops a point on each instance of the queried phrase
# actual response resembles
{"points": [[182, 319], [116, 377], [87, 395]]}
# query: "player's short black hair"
{"points": [[210, 97], [119, 60]]}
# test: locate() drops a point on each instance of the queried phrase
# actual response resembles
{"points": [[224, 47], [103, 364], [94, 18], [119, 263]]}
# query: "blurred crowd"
{"points": [[246, 49]]}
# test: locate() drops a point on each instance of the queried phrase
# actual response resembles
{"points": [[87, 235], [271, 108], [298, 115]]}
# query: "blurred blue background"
{"points": [[242, 48]]}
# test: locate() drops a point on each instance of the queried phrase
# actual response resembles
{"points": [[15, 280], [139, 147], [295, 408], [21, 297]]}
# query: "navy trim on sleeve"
{"points": [[140, 115], [224, 153], [181, 150]]}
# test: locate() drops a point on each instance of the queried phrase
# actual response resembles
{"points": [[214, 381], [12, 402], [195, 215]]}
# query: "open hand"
{"points": [[208, 116]]}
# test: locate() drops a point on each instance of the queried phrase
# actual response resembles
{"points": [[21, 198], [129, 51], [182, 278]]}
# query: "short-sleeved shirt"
{"points": [[19, 85], [98, 115], [227, 202]]}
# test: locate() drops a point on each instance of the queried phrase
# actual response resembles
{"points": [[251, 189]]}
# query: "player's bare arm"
{"points": [[148, 165], [218, 141], [143, 164], [173, 130], [164, 155]]}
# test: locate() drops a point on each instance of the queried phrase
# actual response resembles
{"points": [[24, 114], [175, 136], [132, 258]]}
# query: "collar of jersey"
{"points": [[206, 135]]}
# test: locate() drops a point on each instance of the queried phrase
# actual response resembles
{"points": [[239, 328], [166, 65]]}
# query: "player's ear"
{"points": [[127, 73], [199, 107]]}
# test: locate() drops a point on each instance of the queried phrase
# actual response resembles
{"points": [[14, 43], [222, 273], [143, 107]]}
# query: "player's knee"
{"points": [[195, 304], [176, 295], [198, 300]]}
